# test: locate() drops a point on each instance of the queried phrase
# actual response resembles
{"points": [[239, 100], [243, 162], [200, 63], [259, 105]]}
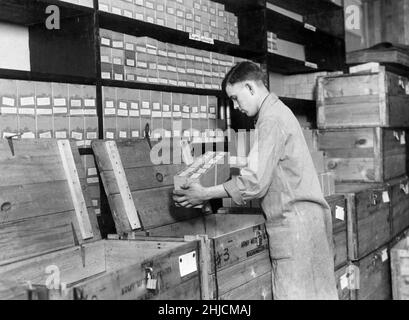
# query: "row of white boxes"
{"points": [[144, 59], [286, 48], [203, 18], [48, 110], [127, 111]]}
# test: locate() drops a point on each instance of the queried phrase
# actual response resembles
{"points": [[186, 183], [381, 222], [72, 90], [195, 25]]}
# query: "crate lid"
{"points": [[43, 203], [139, 184]]}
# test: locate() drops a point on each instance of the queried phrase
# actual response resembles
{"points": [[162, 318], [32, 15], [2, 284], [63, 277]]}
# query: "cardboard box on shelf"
{"points": [[76, 112], [134, 113], [124, 97], [60, 101], [160, 12], [167, 113], [109, 104], [145, 111], [177, 114], [139, 10], [150, 11], [204, 122], [118, 70], [90, 114], [44, 110], [26, 109], [157, 123], [170, 19]]}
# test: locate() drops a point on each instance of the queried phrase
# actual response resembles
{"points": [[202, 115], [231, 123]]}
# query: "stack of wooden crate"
{"points": [[51, 246], [237, 263], [363, 119]]}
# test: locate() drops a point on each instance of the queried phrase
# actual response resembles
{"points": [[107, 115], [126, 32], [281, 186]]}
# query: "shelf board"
{"points": [[305, 7], [292, 30], [37, 76], [158, 87], [30, 12], [237, 6], [284, 65], [140, 28]]}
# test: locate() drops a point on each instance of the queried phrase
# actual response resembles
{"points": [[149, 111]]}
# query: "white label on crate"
{"points": [[156, 106], [203, 108], [92, 135], [176, 107], [44, 111], [61, 135], [28, 111], [403, 138], [109, 104], [105, 59], [45, 135], [212, 110], [76, 135], [110, 135], [123, 134], [311, 65], [119, 76], [134, 113], [385, 197], [194, 115], [117, 44], [95, 202], [195, 109], [77, 112], [106, 75], [145, 105], [135, 134], [168, 134], [122, 112], [166, 108], [310, 27], [156, 114], [8, 101], [97, 211], [177, 114], [167, 114], [76, 103], [339, 213], [130, 62], [129, 46], [27, 101], [186, 109], [384, 255], [46, 101], [123, 105], [90, 112], [89, 102], [109, 111], [134, 105], [344, 283], [8, 110]]}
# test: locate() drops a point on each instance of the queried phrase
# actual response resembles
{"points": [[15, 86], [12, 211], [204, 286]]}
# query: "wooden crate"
{"points": [[400, 268], [50, 236], [368, 217], [339, 221], [362, 100], [365, 154], [400, 206], [238, 250], [120, 270], [374, 276]]}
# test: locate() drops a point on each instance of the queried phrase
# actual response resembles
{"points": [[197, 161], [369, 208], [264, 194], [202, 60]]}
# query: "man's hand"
{"points": [[190, 195]]}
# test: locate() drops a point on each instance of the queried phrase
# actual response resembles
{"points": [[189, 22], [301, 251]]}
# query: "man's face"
{"points": [[243, 98]]}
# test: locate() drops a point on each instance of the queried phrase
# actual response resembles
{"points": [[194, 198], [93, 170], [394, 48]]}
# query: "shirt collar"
{"points": [[269, 99]]}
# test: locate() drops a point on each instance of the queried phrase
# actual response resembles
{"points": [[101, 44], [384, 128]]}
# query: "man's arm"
{"points": [[195, 194]]}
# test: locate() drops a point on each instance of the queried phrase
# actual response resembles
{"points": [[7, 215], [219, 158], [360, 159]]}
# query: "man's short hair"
{"points": [[244, 71]]}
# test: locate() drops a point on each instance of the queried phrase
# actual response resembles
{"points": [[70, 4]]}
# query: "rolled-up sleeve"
{"points": [[265, 153]]}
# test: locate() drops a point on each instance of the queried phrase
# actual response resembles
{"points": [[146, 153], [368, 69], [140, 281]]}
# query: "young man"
{"points": [[281, 173]]}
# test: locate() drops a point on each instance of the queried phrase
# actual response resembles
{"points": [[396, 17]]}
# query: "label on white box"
{"points": [[105, 75], [135, 134], [109, 104], [92, 135], [8, 102], [44, 111], [105, 59], [76, 112], [117, 44], [92, 171], [122, 112], [134, 113], [310, 27], [145, 112], [119, 77], [109, 111], [340, 213], [130, 62], [90, 112], [123, 105], [95, 202], [134, 105], [156, 114], [27, 111], [76, 103], [27, 101], [110, 135], [123, 134], [28, 135], [8, 110], [89, 102], [106, 41], [311, 65], [76, 135], [92, 180], [45, 135]]}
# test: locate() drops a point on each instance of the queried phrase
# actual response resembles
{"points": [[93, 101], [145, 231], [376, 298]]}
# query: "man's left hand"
{"points": [[190, 195]]}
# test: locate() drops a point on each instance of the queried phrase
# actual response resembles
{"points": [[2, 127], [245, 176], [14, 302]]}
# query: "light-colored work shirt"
{"points": [[281, 173]]}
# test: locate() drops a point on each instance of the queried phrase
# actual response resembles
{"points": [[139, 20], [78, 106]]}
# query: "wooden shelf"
{"points": [[238, 6], [30, 12], [305, 7], [37, 76], [296, 31], [158, 87], [140, 28], [287, 66]]}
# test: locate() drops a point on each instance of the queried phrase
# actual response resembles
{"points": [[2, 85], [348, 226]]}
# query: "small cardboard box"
{"points": [[157, 124], [26, 109], [8, 108], [60, 110], [177, 114], [167, 113], [145, 111], [124, 97], [76, 112], [134, 113], [109, 104], [90, 114], [44, 110]]}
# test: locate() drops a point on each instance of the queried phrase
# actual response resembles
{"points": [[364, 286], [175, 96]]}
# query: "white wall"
{"points": [[14, 48]]}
